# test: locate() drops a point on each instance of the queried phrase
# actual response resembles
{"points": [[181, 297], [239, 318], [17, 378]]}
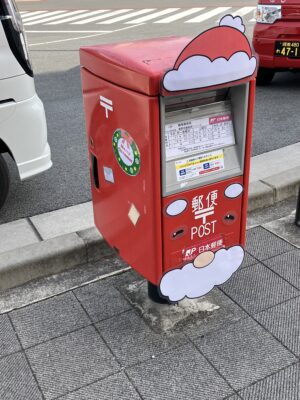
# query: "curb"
{"points": [[50, 249], [272, 190]]}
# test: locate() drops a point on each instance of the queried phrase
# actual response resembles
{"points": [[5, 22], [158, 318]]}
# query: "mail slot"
{"points": [[169, 126]]}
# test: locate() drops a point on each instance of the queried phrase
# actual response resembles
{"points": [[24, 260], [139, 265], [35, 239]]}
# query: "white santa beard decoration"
{"points": [[194, 282]]}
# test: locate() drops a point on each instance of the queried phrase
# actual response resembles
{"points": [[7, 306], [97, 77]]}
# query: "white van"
{"points": [[23, 129]]}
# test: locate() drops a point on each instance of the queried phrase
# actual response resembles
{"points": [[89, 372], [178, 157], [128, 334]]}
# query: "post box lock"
{"points": [[230, 218], [179, 232], [174, 143]]}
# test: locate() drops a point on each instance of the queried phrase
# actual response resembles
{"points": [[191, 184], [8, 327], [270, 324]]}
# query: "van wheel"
{"points": [[265, 76], [4, 181]]}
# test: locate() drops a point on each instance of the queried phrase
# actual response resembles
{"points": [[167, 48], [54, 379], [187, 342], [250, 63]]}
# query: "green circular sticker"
{"points": [[126, 152]]}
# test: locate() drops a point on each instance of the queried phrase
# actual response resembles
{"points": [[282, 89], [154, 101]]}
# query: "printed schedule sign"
{"points": [[198, 135]]}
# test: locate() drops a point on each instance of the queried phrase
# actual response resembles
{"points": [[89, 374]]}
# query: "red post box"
{"points": [[169, 125]]}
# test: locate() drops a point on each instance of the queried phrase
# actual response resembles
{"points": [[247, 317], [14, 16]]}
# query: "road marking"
{"points": [[28, 14], [127, 16], [84, 37], [180, 15], [66, 14], [208, 15], [152, 16], [68, 31], [84, 15], [243, 11], [110, 14], [39, 16]]}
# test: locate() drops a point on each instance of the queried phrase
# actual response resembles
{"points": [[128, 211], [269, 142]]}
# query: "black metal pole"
{"points": [[297, 218], [153, 293]]}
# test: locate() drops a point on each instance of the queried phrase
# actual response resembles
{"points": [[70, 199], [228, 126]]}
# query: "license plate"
{"points": [[287, 49]]}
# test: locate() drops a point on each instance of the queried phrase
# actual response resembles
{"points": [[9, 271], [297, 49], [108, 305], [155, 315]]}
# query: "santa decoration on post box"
{"points": [[217, 56]]}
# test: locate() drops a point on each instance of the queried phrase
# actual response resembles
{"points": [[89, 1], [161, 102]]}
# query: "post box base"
{"points": [[154, 295], [188, 312]]}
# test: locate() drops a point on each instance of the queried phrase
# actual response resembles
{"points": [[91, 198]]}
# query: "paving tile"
{"points": [[284, 323], [285, 385], [244, 352], [248, 260], [17, 381], [131, 340], [16, 234], [262, 244], [48, 319], [101, 300], [258, 288], [228, 313], [114, 387], [8, 339], [67, 363], [287, 265], [179, 375]]}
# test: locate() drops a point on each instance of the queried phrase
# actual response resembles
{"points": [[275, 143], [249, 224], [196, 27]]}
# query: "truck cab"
{"points": [[23, 129], [276, 37]]}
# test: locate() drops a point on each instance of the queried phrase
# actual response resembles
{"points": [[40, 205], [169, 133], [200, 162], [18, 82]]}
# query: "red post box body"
{"points": [[160, 195]]}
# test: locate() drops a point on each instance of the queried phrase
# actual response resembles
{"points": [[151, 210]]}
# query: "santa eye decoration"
{"points": [[217, 56]]}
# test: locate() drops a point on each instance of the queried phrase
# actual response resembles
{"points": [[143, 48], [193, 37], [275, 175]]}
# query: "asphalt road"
{"points": [[54, 52]]}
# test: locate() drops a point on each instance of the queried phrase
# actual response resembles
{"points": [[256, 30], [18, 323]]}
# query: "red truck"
{"points": [[276, 37]]}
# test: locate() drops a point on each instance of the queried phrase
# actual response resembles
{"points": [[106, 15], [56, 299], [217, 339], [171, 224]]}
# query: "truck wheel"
{"points": [[264, 76], [4, 181]]}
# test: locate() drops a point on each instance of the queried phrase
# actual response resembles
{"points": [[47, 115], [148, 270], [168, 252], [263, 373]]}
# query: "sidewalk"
{"points": [[56, 241], [87, 342]]}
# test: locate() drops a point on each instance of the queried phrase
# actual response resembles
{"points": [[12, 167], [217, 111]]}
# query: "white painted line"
{"points": [[86, 14], [67, 31], [252, 20], [208, 15], [179, 15], [31, 14], [66, 14], [152, 16], [84, 37], [110, 14], [243, 11], [46, 13], [127, 16]]}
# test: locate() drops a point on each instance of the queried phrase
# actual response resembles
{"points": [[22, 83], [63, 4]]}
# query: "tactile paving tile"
{"points": [[69, 362], [262, 244], [284, 323], [180, 374], [248, 260], [244, 352], [49, 319], [8, 339], [131, 340], [287, 265], [101, 301], [258, 288], [114, 387], [285, 385], [16, 379]]}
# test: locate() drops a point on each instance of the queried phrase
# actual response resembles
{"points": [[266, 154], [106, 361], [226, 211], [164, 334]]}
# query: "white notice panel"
{"points": [[198, 135]]}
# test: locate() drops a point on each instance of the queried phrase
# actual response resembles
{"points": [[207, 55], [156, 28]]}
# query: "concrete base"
{"points": [[163, 317]]}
